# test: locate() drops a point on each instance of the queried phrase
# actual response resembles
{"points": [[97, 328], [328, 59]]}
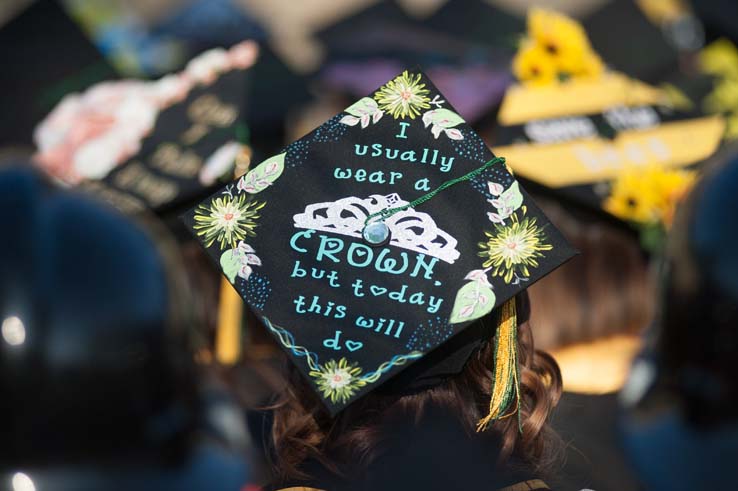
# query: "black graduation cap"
{"points": [[152, 144], [367, 48], [377, 238], [44, 55], [575, 134]]}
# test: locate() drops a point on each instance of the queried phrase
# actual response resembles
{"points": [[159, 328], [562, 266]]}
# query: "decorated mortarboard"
{"points": [[152, 144], [594, 136], [364, 50], [44, 54], [377, 238]]}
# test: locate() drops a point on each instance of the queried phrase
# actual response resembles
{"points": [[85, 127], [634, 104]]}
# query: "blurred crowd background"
{"points": [[264, 74]]}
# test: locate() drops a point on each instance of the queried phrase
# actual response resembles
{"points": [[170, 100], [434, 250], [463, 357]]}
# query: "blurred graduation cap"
{"points": [[379, 238], [44, 55], [572, 126], [366, 49], [152, 145]]}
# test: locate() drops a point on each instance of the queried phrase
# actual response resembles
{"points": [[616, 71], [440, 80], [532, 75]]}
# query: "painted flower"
{"points": [[404, 96], [338, 380], [227, 220], [512, 249]]}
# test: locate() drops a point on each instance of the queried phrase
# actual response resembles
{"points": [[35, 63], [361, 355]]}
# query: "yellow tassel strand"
{"points": [[506, 383], [230, 306]]}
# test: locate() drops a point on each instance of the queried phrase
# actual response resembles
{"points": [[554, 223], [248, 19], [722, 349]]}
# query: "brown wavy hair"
{"points": [[349, 443]]}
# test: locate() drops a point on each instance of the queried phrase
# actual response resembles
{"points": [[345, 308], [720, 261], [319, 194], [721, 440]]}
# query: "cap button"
{"points": [[376, 233]]}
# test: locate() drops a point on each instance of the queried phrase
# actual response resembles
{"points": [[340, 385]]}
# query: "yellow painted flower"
{"points": [[533, 65], [403, 97], [562, 38], [227, 220], [511, 250], [338, 380]]}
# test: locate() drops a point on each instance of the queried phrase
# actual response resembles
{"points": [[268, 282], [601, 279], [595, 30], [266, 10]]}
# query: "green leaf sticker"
{"points": [[230, 262], [263, 175], [367, 105], [442, 117], [474, 300], [364, 111]]}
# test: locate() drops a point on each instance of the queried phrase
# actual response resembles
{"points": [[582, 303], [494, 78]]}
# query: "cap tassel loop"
{"points": [[506, 382]]}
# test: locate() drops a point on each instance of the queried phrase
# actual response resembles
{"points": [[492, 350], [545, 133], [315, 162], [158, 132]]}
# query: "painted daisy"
{"points": [[338, 380], [512, 249], [227, 220], [403, 97]]}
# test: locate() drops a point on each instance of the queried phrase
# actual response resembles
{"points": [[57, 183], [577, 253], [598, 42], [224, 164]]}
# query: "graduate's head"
{"points": [[96, 370], [682, 394], [456, 380], [383, 251]]}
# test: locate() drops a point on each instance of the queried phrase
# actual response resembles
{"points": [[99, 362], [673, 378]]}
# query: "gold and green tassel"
{"points": [[506, 381]]}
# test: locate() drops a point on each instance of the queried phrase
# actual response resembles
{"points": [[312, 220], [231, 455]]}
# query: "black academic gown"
{"points": [[594, 455]]}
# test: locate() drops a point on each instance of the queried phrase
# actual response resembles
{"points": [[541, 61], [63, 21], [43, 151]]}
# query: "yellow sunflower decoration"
{"points": [[403, 97], [512, 249], [556, 49], [720, 59], [649, 197]]}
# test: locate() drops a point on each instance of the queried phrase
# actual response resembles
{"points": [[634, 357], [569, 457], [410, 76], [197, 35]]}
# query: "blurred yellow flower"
{"points": [[724, 97], [591, 66], [731, 129], [557, 49], [562, 38], [720, 58], [533, 65], [650, 195]]}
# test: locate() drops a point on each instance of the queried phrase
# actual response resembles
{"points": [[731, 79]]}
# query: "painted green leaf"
{"points": [[263, 175], [473, 301], [512, 197], [362, 107], [442, 117], [230, 264]]}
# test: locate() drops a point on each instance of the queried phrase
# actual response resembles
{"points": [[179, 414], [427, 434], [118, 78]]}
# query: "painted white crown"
{"points": [[410, 229]]}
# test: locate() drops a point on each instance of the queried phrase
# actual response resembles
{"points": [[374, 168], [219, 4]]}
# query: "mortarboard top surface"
{"points": [[576, 137], [191, 145], [367, 48], [44, 55], [288, 235]]}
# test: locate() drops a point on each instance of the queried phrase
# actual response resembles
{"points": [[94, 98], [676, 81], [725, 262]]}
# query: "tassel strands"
{"points": [[506, 382]]}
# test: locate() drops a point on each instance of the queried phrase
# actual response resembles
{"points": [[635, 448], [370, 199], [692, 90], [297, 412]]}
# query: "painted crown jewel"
{"points": [[410, 229]]}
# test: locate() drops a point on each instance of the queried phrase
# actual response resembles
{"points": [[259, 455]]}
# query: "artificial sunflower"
{"points": [[338, 380], [562, 38], [720, 58], [670, 188], [227, 220], [533, 65], [403, 97], [512, 249], [632, 198]]}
